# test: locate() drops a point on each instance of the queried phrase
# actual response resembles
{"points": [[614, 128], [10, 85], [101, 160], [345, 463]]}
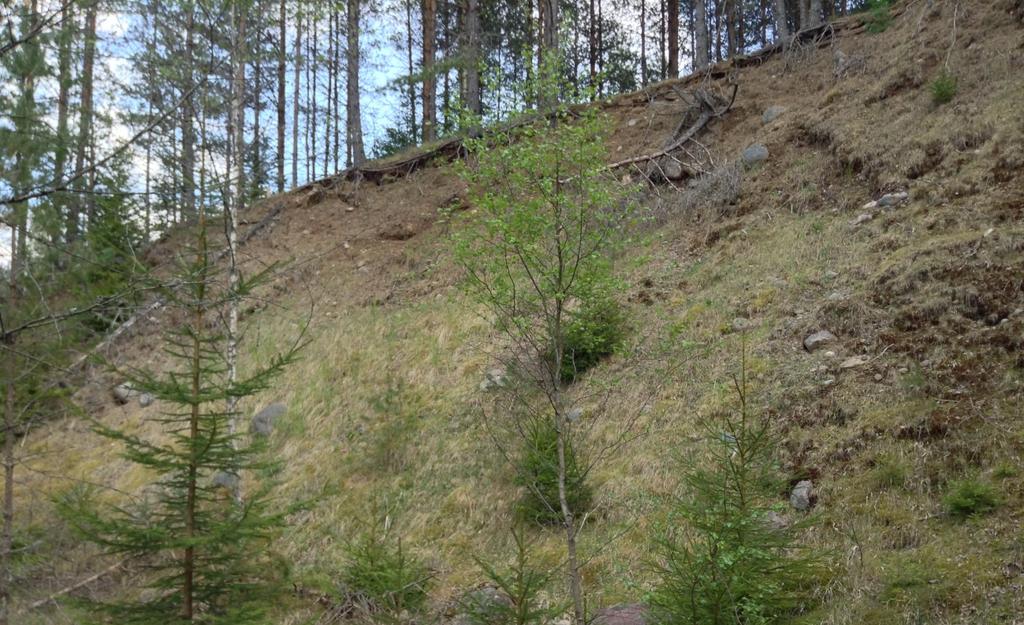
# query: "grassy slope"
{"points": [[385, 404]]}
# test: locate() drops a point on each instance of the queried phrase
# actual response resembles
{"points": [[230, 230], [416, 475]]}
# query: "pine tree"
{"points": [[201, 549]]}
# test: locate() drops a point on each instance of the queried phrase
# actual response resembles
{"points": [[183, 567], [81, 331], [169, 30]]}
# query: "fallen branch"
{"points": [[707, 114], [73, 587]]}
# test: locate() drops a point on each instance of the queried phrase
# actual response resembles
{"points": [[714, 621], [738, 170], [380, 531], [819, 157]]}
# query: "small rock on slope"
{"points": [[819, 339], [772, 113], [754, 154], [802, 497], [263, 422]]}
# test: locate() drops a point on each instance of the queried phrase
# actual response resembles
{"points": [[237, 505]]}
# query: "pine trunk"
{"points": [[700, 27], [296, 91], [60, 158], [781, 23], [429, 78], [83, 203], [413, 133], [188, 155], [814, 14], [471, 18], [673, 38], [354, 122]]}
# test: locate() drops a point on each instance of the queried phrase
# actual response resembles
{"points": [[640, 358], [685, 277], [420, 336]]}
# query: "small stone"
{"points": [[124, 392], [227, 481], [831, 275], [494, 378], [878, 377], [802, 497], [146, 399], [988, 232], [754, 154], [863, 218], [872, 205], [262, 423], [574, 414], [904, 370], [830, 354], [772, 113], [350, 209], [819, 339], [854, 361], [740, 323], [836, 296], [361, 264], [633, 122], [893, 199]]}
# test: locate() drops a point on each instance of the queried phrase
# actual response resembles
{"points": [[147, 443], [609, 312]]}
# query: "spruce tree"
{"points": [[200, 548]]}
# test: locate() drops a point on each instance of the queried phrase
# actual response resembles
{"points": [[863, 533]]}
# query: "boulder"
{"points": [[262, 423], [818, 340], [802, 497], [755, 154], [622, 614], [227, 481], [892, 199], [772, 113]]}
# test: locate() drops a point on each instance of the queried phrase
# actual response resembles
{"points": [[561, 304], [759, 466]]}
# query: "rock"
{"points": [[633, 122], [772, 113], [227, 481], [754, 154], [622, 614], [314, 196], [892, 199], [802, 497], [831, 275], [574, 414], [854, 361], [672, 169], [872, 205], [262, 423], [830, 354], [878, 377], [494, 378], [124, 392], [483, 601], [146, 399], [836, 296], [863, 218], [350, 209], [740, 324], [819, 339]]}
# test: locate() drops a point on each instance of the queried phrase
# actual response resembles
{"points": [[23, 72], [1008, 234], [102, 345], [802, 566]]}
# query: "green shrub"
{"points": [[381, 573], [595, 332], [890, 472], [516, 597], [879, 18], [538, 473], [720, 557], [943, 88], [970, 497]]}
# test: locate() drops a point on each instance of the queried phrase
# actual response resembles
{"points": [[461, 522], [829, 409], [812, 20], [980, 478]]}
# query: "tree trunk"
{"points": [[231, 225], [335, 91], [804, 14], [354, 123], [282, 64], [297, 80], [83, 203], [471, 30], [781, 23], [60, 157], [427, 67], [592, 44], [7, 533], [188, 115], [814, 16], [413, 133], [700, 27], [643, 43], [673, 38]]}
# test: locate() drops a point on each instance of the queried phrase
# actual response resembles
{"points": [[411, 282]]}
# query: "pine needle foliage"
{"points": [[203, 552], [721, 558], [538, 474]]}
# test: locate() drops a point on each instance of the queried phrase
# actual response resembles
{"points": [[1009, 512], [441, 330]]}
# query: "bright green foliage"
{"points": [[970, 497], [879, 18], [205, 553], [382, 573], [522, 584], [593, 333], [538, 474], [720, 558], [943, 88]]}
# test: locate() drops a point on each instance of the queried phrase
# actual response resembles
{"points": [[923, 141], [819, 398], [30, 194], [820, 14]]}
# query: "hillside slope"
{"points": [[921, 387]]}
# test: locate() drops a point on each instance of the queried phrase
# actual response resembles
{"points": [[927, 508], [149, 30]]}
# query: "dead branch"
{"points": [[79, 584]]}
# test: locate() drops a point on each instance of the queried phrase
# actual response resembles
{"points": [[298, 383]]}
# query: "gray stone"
{"points": [[754, 154], [263, 422], [892, 199], [146, 399], [772, 113], [494, 378], [740, 324], [225, 480], [622, 614], [819, 339], [574, 414], [124, 393], [836, 296], [802, 497]]}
